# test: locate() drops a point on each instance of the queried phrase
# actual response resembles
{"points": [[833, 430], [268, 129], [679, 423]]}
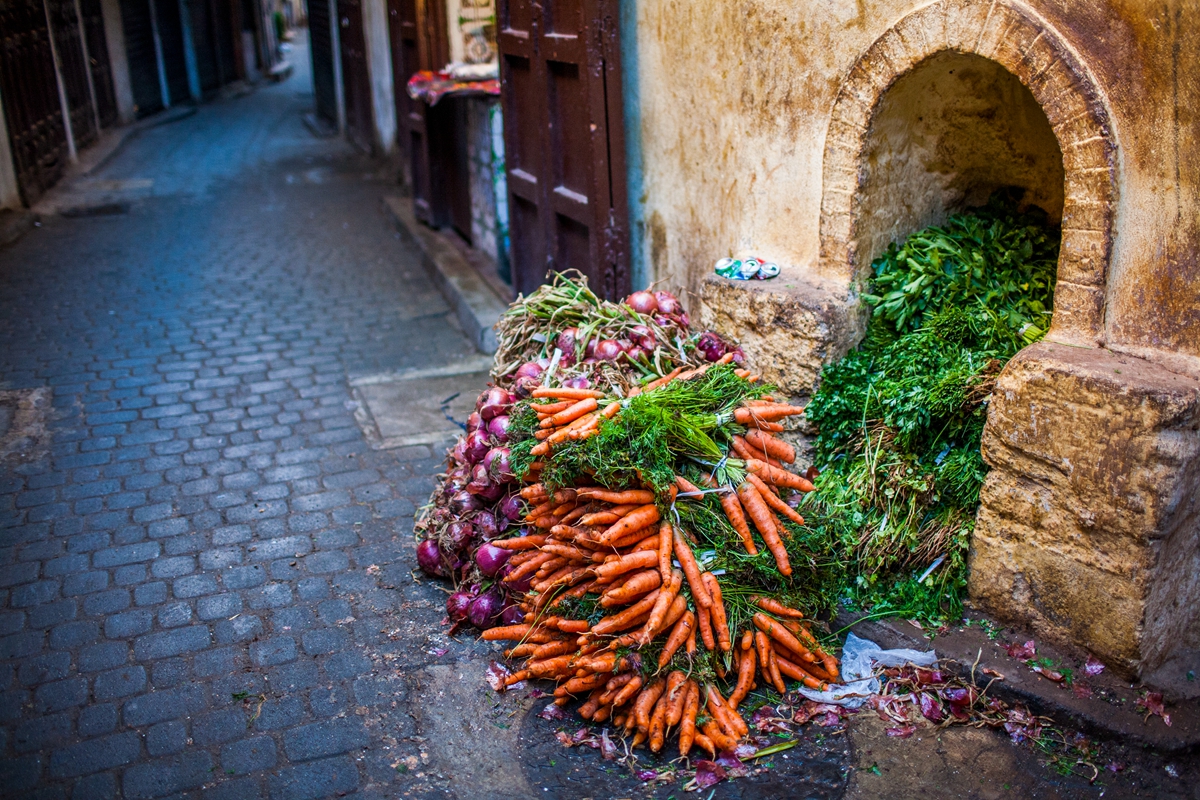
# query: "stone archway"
{"points": [[1029, 48]]}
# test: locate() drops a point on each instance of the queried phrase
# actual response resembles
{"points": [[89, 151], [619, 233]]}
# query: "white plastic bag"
{"points": [[860, 657]]}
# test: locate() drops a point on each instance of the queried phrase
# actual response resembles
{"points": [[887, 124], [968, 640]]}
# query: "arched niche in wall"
{"points": [[883, 177]]}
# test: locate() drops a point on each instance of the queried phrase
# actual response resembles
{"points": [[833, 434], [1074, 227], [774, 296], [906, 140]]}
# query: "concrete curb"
{"points": [[475, 303], [1109, 713]]}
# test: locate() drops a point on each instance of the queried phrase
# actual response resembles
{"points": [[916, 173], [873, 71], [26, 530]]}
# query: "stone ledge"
{"points": [[474, 301], [1114, 718], [1089, 528], [790, 328]]}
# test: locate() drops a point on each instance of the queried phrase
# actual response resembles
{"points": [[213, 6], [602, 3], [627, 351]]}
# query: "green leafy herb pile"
{"points": [[900, 419]]}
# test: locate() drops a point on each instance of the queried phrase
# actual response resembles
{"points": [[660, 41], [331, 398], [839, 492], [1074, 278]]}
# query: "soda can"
{"points": [[726, 267], [750, 268], [767, 270]]}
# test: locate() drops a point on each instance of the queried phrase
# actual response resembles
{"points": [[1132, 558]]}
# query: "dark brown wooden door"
{"points": [[36, 131], [355, 78], [560, 68], [320, 42]]}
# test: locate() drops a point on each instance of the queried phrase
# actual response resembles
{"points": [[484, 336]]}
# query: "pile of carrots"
{"points": [[613, 551]]}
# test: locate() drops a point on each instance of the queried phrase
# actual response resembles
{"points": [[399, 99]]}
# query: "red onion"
{"points": [[486, 608], [480, 479], [475, 422], [635, 354], [462, 503], [530, 369], [499, 467], [667, 303], [490, 559], [578, 382], [485, 525], [429, 558], [710, 345], [523, 387], [498, 428], [459, 534], [457, 479], [476, 446], [643, 337], [739, 356], [663, 322], [643, 302], [608, 350], [492, 492], [460, 451], [684, 320], [590, 350], [568, 342], [512, 615], [457, 605], [495, 403], [511, 507]]}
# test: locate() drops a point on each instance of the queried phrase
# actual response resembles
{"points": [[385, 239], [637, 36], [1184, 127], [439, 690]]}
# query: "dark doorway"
{"points": [[355, 78], [560, 66], [320, 42], [140, 52], [68, 42], [97, 50]]}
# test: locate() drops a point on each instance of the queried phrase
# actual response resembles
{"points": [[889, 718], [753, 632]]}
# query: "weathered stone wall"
{"points": [[738, 113]]}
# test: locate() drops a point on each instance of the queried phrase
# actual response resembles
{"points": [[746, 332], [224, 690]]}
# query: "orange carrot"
{"points": [[749, 451], [665, 598], [690, 644], [648, 543], [657, 382], [529, 567], [567, 394], [717, 611], [706, 744], [777, 476], [775, 607], [631, 496], [645, 702], [745, 679], [687, 723], [658, 723], [685, 485], [767, 412], [549, 409], [619, 621], [632, 589], [666, 541], [730, 720], [757, 508], [692, 570], [685, 627], [634, 520], [704, 620], [773, 501], [782, 635], [798, 673], [676, 696], [626, 692], [520, 542], [777, 448], [717, 734], [626, 563]]}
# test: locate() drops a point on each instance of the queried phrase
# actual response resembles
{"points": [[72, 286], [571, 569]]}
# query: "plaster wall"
{"points": [[736, 101]]}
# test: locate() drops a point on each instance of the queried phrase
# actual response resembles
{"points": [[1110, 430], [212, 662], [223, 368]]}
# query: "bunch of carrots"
{"points": [[615, 550]]}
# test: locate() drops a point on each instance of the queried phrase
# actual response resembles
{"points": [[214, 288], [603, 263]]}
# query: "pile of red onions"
{"points": [[476, 501]]}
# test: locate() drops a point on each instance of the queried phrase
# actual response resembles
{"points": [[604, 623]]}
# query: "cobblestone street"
{"points": [[198, 578]]}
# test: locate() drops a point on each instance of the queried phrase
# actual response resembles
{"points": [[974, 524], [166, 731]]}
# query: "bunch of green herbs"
{"points": [[900, 419]]}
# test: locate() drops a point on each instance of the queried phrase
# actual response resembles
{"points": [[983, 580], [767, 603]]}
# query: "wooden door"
{"points": [[355, 76], [36, 131], [560, 69]]}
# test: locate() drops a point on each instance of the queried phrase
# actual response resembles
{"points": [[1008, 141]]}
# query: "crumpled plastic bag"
{"points": [[860, 657]]}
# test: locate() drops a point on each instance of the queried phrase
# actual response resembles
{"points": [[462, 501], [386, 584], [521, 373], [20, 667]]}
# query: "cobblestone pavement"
{"points": [[201, 580]]}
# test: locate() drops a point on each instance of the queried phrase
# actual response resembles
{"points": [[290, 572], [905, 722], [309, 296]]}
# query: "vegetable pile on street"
{"points": [[626, 520]]}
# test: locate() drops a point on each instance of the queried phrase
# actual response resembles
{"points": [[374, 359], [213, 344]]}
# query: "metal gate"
{"points": [[564, 141], [320, 42], [68, 45], [355, 77]]}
